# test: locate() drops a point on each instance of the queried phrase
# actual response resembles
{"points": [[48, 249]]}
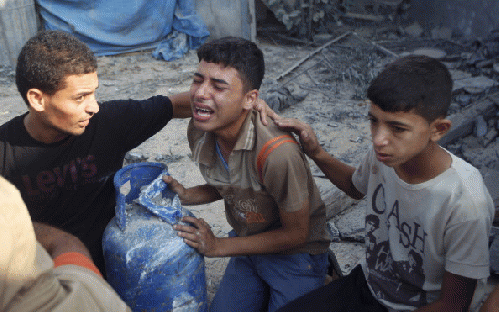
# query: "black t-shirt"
{"points": [[69, 184]]}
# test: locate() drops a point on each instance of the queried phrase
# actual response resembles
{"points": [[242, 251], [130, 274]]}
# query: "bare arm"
{"points": [[492, 302], [57, 241], [181, 105], [457, 294], [294, 232], [339, 173], [197, 195]]}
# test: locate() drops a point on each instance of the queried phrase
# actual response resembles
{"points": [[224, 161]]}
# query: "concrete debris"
{"points": [[430, 52], [307, 18], [474, 85], [166, 158], [414, 30], [280, 97], [134, 157], [441, 33], [481, 127], [490, 177]]}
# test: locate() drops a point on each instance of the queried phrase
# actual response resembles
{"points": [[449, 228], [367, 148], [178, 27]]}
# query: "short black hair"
{"points": [[48, 58], [238, 53], [414, 82]]}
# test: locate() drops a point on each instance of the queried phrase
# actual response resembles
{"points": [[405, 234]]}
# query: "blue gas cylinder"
{"points": [[148, 265]]}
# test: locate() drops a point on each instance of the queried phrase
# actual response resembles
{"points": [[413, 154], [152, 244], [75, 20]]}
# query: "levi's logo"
{"points": [[77, 171]]}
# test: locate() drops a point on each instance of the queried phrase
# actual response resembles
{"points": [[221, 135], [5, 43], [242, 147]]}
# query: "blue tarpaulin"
{"points": [[170, 27]]}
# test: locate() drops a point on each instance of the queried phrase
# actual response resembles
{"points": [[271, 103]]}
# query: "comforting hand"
{"points": [[198, 236], [265, 110], [308, 139]]}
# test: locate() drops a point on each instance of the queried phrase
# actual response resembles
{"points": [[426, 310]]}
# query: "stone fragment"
{"points": [[336, 201], [348, 255], [441, 33], [464, 99], [489, 137], [430, 52], [481, 127], [463, 122], [134, 157], [351, 223], [333, 231], [415, 30], [495, 67], [474, 85], [490, 178]]}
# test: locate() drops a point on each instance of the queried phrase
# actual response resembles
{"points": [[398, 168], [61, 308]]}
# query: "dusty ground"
{"points": [[337, 114]]}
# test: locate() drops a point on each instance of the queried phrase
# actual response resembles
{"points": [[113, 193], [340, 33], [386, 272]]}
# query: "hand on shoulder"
{"points": [[308, 138]]}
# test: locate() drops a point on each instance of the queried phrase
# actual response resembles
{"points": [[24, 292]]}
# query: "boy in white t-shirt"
{"points": [[434, 212]]}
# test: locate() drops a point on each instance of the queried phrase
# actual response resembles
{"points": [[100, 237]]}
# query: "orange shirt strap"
{"points": [[268, 148], [76, 258]]}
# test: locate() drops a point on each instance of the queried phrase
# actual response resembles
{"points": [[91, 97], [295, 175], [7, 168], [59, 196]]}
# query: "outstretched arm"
{"points": [[339, 173], [181, 105], [57, 241], [492, 302], [197, 195]]}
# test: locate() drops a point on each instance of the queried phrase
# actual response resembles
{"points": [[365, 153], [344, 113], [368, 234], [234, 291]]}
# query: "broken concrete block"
{"points": [[474, 85], [463, 122], [351, 223], [489, 137], [430, 52], [495, 67], [490, 178], [415, 30], [348, 255], [459, 75], [464, 99], [481, 127], [336, 200], [441, 33]]}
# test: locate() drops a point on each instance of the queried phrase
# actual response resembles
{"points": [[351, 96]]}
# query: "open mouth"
{"points": [[202, 111], [382, 157]]}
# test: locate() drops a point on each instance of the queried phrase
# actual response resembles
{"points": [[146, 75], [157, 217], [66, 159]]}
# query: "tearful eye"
{"points": [[218, 88]]}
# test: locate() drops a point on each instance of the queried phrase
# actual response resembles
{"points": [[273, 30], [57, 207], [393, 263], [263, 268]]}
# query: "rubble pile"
{"points": [[312, 17]]}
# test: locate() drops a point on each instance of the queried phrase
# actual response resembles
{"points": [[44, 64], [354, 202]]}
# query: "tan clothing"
{"points": [[28, 281], [252, 203]]}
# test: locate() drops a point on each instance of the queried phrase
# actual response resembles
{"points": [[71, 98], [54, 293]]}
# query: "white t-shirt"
{"points": [[416, 232]]}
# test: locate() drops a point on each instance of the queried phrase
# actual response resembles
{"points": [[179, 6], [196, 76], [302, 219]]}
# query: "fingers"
{"points": [[197, 227], [198, 235], [265, 111], [174, 185], [291, 124]]}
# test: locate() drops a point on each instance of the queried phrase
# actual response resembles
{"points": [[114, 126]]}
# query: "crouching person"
{"points": [[279, 242]]}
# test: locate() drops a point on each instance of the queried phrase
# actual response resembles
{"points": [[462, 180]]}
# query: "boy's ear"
{"points": [[440, 127], [250, 99], [36, 99]]}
